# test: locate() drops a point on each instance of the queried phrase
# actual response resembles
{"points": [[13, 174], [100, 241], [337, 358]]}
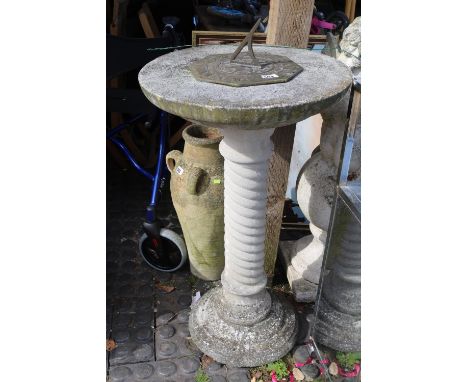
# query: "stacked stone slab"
{"points": [[241, 323], [317, 180]]}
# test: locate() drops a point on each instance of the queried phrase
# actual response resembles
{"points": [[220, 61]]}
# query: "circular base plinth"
{"points": [[239, 345], [338, 330]]}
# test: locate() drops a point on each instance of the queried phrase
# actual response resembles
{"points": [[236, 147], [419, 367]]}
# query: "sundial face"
{"points": [[220, 69]]}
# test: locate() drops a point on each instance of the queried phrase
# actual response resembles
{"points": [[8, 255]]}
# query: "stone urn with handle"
{"points": [[197, 193]]}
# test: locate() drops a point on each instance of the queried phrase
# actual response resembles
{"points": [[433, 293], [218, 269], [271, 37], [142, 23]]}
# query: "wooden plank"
{"points": [[219, 38], [119, 15], [147, 21], [178, 134], [278, 170], [289, 24], [352, 11], [347, 10]]}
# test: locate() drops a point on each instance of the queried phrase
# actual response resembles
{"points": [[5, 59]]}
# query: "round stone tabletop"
{"points": [[168, 83]]}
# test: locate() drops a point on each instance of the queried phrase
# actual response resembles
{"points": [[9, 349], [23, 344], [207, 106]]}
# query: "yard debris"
{"points": [[110, 344], [206, 360], [164, 287], [298, 375], [333, 369]]}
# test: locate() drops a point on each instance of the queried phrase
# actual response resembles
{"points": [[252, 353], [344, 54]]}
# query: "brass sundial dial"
{"points": [[246, 68]]}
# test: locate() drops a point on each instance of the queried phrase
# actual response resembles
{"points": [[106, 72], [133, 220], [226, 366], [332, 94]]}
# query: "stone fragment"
{"points": [[333, 369], [300, 354], [298, 375], [310, 371], [206, 361], [165, 288]]}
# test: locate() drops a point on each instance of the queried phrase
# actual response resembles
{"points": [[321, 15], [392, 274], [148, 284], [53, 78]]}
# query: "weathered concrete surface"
{"points": [[242, 345], [168, 83]]}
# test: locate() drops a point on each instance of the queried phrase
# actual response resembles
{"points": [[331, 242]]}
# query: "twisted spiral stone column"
{"points": [[246, 155], [242, 323]]}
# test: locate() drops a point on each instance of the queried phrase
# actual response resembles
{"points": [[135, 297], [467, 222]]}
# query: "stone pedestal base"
{"points": [[242, 345], [338, 330], [303, 290], [339, 310]]}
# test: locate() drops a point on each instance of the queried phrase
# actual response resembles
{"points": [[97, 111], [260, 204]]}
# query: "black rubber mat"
{"points": [[147, 311]]}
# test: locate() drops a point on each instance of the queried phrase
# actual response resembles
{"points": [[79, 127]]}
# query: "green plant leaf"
{"points": [[348, 360], [201, 376], [279, 367]]}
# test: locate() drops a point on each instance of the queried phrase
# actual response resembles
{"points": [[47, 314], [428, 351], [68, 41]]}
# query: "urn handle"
{"points": [[193, 180], [172, 158]]}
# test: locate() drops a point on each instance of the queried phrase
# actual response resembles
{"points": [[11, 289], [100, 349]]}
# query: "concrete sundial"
{"points": [[242, 323]]}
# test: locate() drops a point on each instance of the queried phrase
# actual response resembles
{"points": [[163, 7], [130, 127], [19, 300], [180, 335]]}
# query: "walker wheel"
{"points": [[167, 254]]}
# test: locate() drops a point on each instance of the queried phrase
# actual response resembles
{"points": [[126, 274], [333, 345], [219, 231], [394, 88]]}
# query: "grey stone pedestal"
{"points": [[317, 179], [338, 323], [242, 324]]}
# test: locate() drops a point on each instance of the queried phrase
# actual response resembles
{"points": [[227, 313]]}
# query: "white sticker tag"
{"points": [[179, 170], [196, 297], [270, 76]]}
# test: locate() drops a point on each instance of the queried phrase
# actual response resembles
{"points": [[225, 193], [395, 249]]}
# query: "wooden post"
{"points": [[350, 9], [288, 24], [347, 9], [147, 21], [353, 11]]}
